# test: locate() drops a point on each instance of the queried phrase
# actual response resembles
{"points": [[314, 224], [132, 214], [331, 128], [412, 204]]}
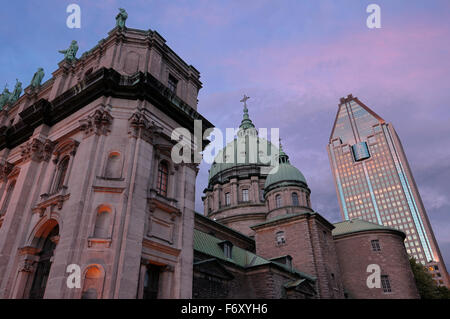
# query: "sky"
{"points": [[295, 59]]}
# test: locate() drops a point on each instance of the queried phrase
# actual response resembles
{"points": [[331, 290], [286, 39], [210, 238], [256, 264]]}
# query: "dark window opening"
{"points": [[61, 174], [172, 83], [295, 199], [151, 282], [163, 176], [385, 283], [43, 267], [280, 238], [375, 245]]}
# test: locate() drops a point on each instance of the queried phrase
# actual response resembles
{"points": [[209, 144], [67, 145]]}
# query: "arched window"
{"points": [[61, 174], [113, 166], [227, 199], [8, 195], [103, 222], [92, 281], [44, 264], [278, 201], [295, 199], [163, 177]]}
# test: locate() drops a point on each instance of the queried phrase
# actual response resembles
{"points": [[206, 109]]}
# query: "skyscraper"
{"points": [[374, 181]]}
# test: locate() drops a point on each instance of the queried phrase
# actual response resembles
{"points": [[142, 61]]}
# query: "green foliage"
{"points": [[428, 289]]}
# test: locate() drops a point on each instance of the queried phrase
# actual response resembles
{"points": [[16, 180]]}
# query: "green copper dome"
{"points": [[239, 148], [284, 175], [247, 149]]}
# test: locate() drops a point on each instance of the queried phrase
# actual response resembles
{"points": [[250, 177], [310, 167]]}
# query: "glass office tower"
{"points": [[374, 181]]}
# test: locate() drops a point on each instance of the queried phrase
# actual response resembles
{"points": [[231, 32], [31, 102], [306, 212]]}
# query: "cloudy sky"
{"points": [[295, 59]]}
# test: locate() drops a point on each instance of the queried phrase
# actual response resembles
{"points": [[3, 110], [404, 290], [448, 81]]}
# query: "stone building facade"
{"points": [[271, 205], [87, 176], [88, 182]]}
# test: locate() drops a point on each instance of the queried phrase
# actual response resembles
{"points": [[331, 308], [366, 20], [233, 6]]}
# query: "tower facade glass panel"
{"points": [[374, 181]]}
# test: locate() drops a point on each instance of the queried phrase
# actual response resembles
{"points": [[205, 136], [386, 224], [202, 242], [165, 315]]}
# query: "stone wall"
{"points": [[355, 253]]}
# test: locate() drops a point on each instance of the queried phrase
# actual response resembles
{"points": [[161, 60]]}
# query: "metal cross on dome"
{"points": [[244, 100]]}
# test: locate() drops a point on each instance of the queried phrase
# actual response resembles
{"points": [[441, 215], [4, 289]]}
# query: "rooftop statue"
{"points": [[121, 17], [4, 97], [71, 52], [16, 93], [37, 78]]}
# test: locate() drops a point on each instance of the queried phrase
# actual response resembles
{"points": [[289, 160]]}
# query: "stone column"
{"points": [[234, 192], [255, 189], [27, 267], [142, 271], [165, 284], [19, 210]]}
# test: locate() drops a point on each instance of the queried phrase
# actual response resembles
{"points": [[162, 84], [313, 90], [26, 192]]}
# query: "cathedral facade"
{"points": [[88, 182], [87, 177]]}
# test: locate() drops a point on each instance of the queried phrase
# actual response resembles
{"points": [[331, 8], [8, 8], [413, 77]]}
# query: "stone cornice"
{"points": [[160, 247], [104, 82]]}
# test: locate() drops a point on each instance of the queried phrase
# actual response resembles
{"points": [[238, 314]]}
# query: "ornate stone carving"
{"points": [[37, 150], [169, 268], [140, 126], [26, 265], [52, 202], [97, 123], [5, 170]]}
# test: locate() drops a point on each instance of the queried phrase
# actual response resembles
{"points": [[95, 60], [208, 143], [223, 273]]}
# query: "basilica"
{"points": [[87, 180]]}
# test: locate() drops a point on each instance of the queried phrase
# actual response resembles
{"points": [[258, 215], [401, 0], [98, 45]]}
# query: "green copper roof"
{"points": [[285, 174], [358, 225], [239, 152], [247, 148], [209, 245], [246, 121]]}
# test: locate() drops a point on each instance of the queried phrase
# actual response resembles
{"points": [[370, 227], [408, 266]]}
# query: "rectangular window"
{"points": [[245, 195], [227, 250], [385, 283], [375, 245], [227, 199], [172, 83], [281, 240]]}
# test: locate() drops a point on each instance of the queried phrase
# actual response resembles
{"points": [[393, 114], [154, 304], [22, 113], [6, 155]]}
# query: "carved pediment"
{"points": [[68, 146], [97, 123], [53, 201]]}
